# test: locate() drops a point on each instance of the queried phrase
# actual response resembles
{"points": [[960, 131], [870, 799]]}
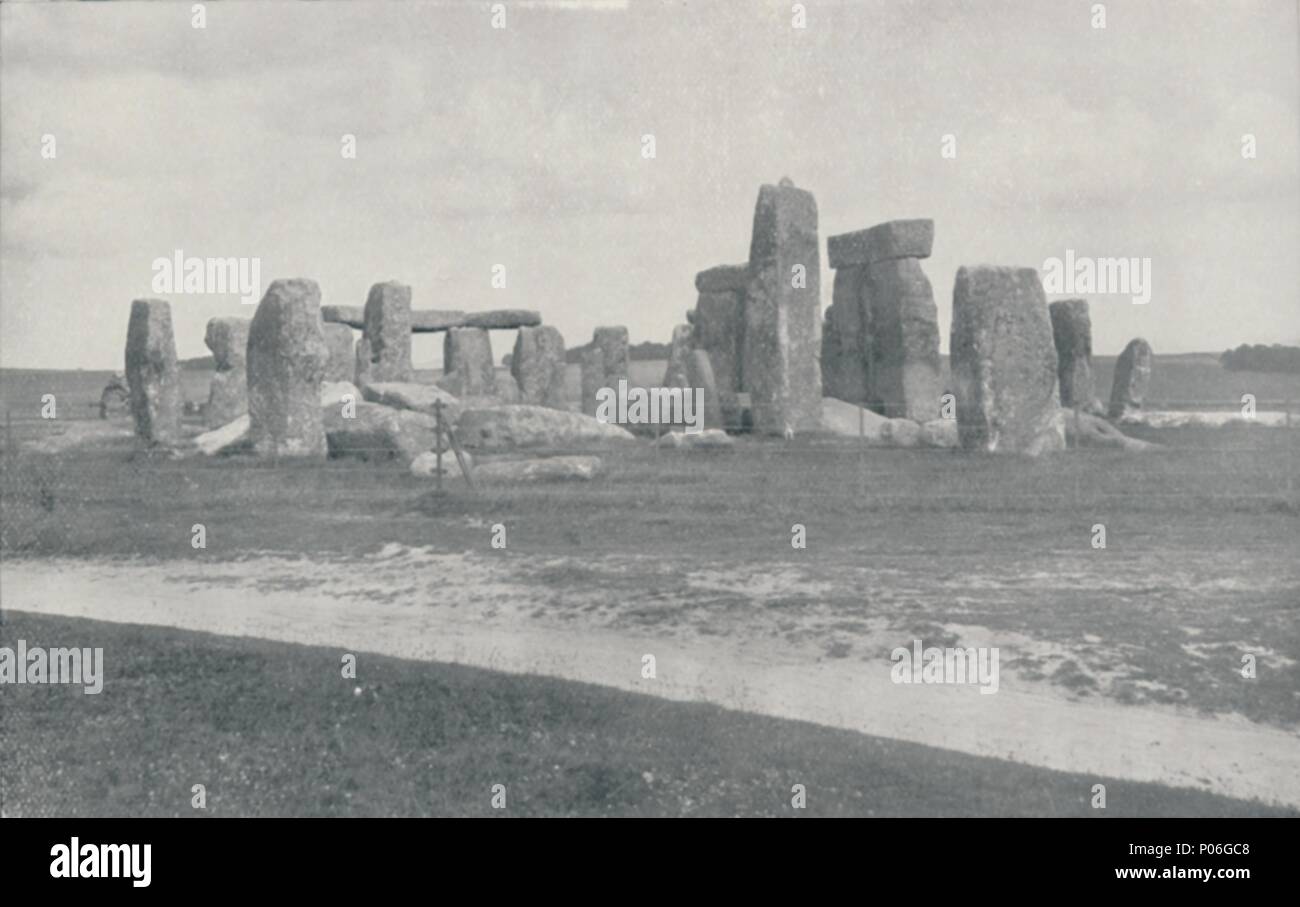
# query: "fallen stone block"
{"points": [[507, 427], [547, 469]]}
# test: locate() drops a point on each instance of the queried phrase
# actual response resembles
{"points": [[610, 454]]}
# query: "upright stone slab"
{"points": [[699, 374], [1072, 332], [845, 352], [388, 333], [1004, 362], [341, 365], [467, 366], [538, 366], [903, 380], [287, 357], [1132, 375], [603, 364], [152, 374], [593, 378], [881, 344], [719, 329], [675, 375], [782, 313], [228, 393]]}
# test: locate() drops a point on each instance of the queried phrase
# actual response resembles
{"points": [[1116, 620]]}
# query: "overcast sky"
{"points": [[523, 146]]}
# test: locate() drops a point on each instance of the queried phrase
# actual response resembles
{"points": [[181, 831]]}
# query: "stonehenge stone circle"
{"points": [[1072, 333], [880, 344], [388, 333], [287, 357], [537, 365], [228, 393], [782, 312], [1132, 375], [341, 365], [151, 372], [604, 364], [1004, 362], [468, 369]]}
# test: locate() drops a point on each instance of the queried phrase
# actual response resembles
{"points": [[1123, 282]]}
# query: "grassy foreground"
{"points": [[272, 730]]}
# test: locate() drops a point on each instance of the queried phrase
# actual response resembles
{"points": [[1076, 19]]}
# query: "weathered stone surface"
{"points": [[1083, 429], [420, 398], [468, 368], [341, 365], [286, 362], [1004, 362], [353, 316], [940, 433], [388, 333], [783, 313], [603, 364], [151, 372], [1132, 375], [115, 398], [378, 432], [901, 433], [537, 365], [506, 427], [678, 353], [851, 420], [426, 321], [904, 336], [845, 357], [425, 466], [362, 370], [709, 439], [543, 469], [895, 239], [723, 279], [233, 436], [1072, 332], [699, 374], [719, 329], [227, 338]]}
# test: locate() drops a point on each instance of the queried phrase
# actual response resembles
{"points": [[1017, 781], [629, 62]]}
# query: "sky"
{"points": [[523, 146]]}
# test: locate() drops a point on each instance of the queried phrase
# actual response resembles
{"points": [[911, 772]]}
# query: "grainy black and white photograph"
{"points": [[618, 408]]}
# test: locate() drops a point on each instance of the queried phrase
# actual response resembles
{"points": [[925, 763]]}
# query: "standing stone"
{"points": [[882, 331], [1132, 375], [593, 378], [388, 333], [538, 366], [1004, 362], [603, 364], [1072, 332], [720, 330], [228, 393], [904, 334], [151, 372], [678, 353], [287, 357], [846, 354], [782, 312], [341, 365], [467, 366], [699, 374]]}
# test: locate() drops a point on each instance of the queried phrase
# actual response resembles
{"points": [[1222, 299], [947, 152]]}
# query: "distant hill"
{"points": [[1259, 358], [638, 352]]}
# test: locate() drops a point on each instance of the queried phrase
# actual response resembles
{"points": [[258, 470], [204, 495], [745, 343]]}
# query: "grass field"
{"points": [[1200, 566], [274, 730]]}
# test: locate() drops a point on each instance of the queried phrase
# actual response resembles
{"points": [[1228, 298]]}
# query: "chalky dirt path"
{"points": [[725, 636]]}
